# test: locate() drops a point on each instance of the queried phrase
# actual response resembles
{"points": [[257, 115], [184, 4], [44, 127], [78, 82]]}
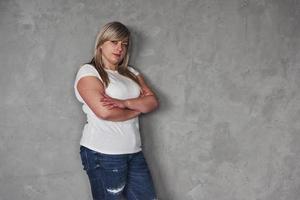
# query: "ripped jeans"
{"points": [[114, 177]]}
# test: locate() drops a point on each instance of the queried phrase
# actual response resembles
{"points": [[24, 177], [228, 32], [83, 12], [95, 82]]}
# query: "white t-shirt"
{"points": [[104, 136]]}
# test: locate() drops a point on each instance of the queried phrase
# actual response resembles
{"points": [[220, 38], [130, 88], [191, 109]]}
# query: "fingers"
{"points": [[109, 105], [142, 93], [105, 100], [145, 93], [104, 95], [109, 102]]}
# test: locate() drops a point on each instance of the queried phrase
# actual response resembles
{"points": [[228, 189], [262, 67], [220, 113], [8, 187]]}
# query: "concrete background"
{"points": [[226, 73]]}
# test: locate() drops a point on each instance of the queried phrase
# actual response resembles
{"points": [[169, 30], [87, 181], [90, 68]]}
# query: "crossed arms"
{"points": [[92, 92]]}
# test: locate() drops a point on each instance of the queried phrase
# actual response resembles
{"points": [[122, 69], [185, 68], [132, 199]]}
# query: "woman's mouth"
{"points": [[117, 55]]}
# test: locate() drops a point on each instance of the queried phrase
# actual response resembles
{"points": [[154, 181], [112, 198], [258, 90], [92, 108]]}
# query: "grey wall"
{"points": [[226, 73]]}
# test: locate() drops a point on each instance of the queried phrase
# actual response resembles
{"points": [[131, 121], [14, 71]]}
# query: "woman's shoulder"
{"points": [[87, 66], [133, 70], [87, 70]]}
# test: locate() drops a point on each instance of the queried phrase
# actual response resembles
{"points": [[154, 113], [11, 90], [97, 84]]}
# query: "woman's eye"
{"points": [[115, 42]]}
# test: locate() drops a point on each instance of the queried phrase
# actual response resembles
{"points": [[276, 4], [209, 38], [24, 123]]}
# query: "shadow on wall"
{"points": [[148, 124], [151, 143]]}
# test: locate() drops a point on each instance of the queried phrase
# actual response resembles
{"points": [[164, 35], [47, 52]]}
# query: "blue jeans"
{"points": [[115, 176]]}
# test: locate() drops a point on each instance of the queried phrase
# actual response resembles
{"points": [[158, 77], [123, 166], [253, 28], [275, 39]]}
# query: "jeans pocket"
{"points": [[84, 158], [112, 162]]}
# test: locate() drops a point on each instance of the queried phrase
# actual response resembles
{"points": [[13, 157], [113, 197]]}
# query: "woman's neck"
{"points": [[111, 68]]}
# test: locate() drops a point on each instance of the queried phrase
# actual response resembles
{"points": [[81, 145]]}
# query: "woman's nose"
{"points": [[119, 46]]}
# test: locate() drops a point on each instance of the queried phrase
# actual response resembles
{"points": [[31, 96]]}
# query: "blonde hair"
{"points": [[112, 31]]}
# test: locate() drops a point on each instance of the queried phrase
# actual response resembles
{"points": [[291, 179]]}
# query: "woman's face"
{"points": [[113, 52]]}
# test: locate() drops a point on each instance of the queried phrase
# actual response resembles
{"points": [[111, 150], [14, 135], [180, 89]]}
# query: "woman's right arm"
{"points": [[91, 90]]}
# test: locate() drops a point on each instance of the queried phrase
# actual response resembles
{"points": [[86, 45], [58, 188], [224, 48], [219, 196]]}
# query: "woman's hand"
{"points": [[111, 103]]}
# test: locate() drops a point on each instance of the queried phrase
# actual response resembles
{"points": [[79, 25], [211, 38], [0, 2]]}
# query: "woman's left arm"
{"points": [[145, 103]]}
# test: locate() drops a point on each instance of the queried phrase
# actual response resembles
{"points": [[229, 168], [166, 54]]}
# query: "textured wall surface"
{"points": [[227, 74]]}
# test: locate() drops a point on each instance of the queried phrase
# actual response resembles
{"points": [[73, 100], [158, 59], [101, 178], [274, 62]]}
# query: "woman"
{"points": [[113, 96]]}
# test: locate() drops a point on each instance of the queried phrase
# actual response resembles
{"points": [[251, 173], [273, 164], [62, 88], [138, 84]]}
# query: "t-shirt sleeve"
{"points": [[134, 71], [85, 70]]}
